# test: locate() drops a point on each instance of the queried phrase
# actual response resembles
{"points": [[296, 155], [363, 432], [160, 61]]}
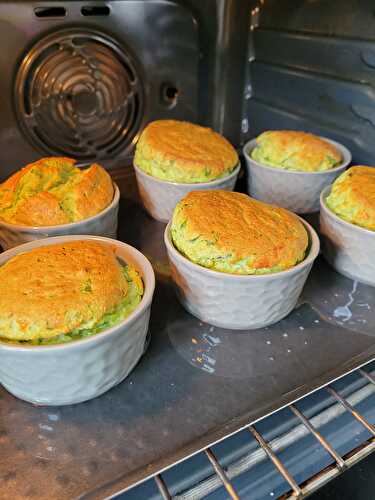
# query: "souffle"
{"points": [[53, 191], [352, 196], [293, 150], [182, 152], [233, 233], [64, 292]]}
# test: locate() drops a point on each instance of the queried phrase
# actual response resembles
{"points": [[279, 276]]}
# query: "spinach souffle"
{"points": [[233, 233], [53, 191], [183, 152], [352, 196], [64, 292], [294, 150]]}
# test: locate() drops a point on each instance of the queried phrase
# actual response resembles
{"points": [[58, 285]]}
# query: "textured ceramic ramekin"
{"points": [[102, 224], [296, 191], [70, 373], [159, 197], [238, 302], [350, 249]]}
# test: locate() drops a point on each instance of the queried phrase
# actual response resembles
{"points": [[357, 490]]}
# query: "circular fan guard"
{"points": [[77, 93]]}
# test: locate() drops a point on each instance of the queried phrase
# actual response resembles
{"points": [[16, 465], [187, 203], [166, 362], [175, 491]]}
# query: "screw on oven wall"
{"points": [[169, 94]]}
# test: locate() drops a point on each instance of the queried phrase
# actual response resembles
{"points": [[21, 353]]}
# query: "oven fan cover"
{"points": [[78, 93]]}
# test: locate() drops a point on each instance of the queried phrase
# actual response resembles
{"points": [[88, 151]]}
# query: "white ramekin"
{"points": [[296, 191], [102, 224], [70, 373], [350, 249], [238, 302], [159, 197]]}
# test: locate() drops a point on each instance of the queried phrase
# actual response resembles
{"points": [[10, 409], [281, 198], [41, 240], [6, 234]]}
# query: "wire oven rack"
{"points": [[321, 418]]}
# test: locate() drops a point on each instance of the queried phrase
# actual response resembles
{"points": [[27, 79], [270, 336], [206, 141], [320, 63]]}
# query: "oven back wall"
{"points": [[82, 81]]}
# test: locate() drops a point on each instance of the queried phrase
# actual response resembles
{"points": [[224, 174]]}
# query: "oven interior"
{"points": [[83, 78]]}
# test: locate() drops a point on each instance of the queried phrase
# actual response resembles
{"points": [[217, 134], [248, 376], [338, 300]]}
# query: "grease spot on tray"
{"points": [[341, 301], [344, 311], [245, 354], [204, 356], [46, 427], [52, 417]]}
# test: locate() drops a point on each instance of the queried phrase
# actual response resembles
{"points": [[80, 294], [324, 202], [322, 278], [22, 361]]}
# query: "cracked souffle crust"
{"points": [[294, 150], [233, 233], [183, 152], [53, 191], [352, 196], [65, 289]]}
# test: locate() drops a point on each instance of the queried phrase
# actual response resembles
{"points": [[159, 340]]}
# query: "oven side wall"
{"points": [[311, 66]]}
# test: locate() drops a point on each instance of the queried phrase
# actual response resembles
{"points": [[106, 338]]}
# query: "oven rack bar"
{"points": [[307, 426], [162, 487], [222, 475]]}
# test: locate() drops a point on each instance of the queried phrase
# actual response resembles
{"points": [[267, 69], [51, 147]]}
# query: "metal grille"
{"points": [[78, 93], [269, 450]]}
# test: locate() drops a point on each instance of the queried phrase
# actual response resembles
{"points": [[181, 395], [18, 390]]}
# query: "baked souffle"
{"points": [[352, 196], [64, 292], [183, 152], [233, 233], [294, 150], [53, 191]]}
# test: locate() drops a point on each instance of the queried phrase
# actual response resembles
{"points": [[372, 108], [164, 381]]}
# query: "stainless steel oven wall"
{"points": [[223, 33], [312, 67], [82, 78]]}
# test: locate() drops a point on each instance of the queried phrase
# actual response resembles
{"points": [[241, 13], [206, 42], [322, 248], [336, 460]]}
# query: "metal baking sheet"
{"points": [[195, 385]]}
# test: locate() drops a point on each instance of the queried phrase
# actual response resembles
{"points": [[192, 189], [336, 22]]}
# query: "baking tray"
{"points": [[195, 385]]}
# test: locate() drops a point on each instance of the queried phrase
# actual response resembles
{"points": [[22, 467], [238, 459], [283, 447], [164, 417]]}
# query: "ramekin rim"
{"points": [[103, 335], [191, 185], [312, 255], [346, 161], [69, 225], [331, 213]]}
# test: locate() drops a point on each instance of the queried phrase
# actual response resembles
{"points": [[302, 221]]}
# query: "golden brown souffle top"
{"points": [[352, 196], [231, 232], [296, 151], [179, 151], [43, 292], [53, 191]]}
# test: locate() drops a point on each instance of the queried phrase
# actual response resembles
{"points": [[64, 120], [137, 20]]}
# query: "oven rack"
{"points": [[220, 482]]}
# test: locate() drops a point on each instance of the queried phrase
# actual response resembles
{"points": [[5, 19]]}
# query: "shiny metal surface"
{"points": [[160, 37], [78, 94], [190, 57], [162, 487], [222, 475], [350, 408], [340, 462], [248, 466], [277, 462], [311, 67], [172, 405]]}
